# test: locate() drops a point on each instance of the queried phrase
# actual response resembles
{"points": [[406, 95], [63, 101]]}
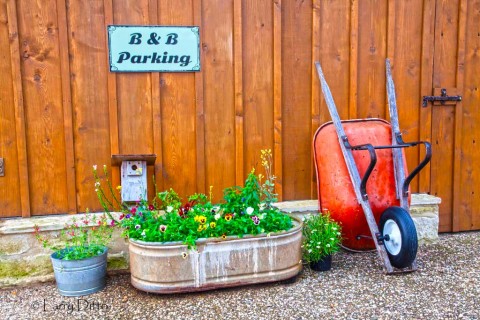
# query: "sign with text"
{"points": [[153, 48]]}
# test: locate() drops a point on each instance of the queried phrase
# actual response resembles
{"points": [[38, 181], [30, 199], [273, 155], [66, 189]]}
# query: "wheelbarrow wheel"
{"points": [[400, 236]]}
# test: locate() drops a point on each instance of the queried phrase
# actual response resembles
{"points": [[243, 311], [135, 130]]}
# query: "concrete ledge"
{"points": [[423, 208], [23, 260]]}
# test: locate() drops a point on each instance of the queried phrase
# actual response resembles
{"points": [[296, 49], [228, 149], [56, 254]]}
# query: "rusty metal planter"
{"points": [[161, 267]]}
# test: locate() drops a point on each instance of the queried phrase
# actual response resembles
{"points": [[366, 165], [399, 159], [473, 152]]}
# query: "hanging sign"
{"points": [[153, 48]]}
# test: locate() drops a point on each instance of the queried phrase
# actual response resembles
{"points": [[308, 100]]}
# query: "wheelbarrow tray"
{"points": [[335, 189]]}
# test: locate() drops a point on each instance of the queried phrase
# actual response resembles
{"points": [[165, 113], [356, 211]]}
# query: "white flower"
{"points": [[143, 233], [217, 216], [332, 239], [328, 245], [250, 210], [137, 226], [169, 209], [261, 206]]}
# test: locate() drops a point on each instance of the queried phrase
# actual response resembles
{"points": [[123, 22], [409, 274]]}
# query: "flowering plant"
{"points": [[245, 210], [80, 239], [322, 237]]}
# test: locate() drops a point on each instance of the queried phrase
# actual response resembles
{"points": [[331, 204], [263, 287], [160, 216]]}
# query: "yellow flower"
{"points": [[224, 236], [202, 227], [200, 219], [213, 224], [184, 255]]}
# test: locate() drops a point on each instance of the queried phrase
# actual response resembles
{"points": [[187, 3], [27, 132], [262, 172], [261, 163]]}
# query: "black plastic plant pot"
{"points": [[323, 264]]}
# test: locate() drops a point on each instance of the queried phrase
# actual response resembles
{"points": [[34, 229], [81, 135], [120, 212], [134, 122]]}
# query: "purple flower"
{"points": [[256, 220], [128, 216], [137, 226]]}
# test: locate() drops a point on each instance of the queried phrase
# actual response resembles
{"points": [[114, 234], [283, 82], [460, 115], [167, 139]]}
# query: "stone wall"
{"points": [[23, 260]]}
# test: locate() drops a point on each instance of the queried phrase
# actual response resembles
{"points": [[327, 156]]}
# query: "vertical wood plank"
{"points": [[42, 92], [457, 156], [443, 117], [315, 99], [112, 98], [258, 79], [179, 111], [404, 46], [353, 58], [426, 78], [296, 95], [156, 110], [391, 36], [199, 106], [467, 202], [219, 96], [90, 97], [67, 106], [372, 42], [277, 98], [238, 79], [13, 190]]}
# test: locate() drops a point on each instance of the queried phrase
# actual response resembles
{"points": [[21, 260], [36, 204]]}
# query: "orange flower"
{"points": [[228, 216]]}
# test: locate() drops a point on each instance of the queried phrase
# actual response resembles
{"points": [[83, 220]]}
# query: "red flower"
{"points": [[122, 216], [133, 210], [151, 207]]}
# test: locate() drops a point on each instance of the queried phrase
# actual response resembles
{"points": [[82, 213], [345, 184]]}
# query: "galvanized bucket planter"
{"points": [[170, 267], [80, 277]]}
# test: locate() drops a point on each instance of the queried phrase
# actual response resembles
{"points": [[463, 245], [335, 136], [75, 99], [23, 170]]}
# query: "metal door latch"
{"points": [[2, 167], [442, 98]]}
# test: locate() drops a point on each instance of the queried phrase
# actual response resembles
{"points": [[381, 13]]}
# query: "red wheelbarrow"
{"points": [[374, 209]]}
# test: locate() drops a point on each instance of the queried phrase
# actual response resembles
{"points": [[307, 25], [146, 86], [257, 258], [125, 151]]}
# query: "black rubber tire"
{"points": [[408, 234]]}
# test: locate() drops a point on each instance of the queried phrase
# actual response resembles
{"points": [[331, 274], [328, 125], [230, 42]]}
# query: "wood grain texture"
{"points": [[297, 94], [238, 85], [315, 95], [42, 92], [67, 107], [404, 48], [277, 99], [257, 80], [178, 111], [426, 81], [460, 217], [372, 42], [443, 132], [257, 89], [10, 203], [468, 200], [90, 98], [219, 100]]}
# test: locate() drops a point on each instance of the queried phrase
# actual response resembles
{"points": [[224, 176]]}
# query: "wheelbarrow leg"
{"points": [[397, 152], [353, 171]]}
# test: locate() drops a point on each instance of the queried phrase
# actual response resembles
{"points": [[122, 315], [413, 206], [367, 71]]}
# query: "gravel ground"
{"points": [[447, 286]]}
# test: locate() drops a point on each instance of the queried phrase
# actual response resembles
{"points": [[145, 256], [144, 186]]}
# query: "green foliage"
{"points": [[80, 239], [245, 210], [322, 237]]}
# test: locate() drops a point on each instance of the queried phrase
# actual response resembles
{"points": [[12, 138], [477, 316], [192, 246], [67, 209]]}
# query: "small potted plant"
{"points": [[80, 257], [322, 238]]}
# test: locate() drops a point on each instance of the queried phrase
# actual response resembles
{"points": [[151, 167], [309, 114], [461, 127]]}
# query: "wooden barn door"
{"points": [[452, 62]]}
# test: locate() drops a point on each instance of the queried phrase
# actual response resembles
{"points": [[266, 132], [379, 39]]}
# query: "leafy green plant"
{"points": [[245, 210], [80, 239], [322, 237]]}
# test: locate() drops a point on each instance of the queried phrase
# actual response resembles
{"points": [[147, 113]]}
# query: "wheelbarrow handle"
{"points": [[371, 166], [425, 161]]}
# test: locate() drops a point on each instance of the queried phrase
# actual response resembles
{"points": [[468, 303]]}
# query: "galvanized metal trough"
{"points": [[217, 263]]}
